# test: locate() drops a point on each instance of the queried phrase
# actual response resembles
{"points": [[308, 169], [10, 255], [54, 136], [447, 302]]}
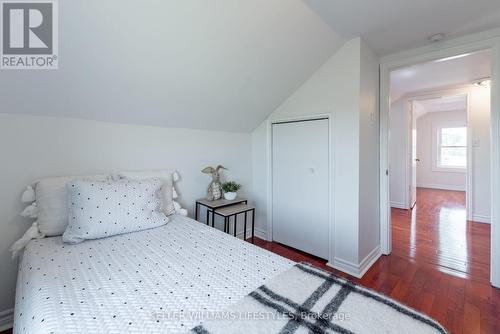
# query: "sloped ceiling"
{"points": [[219, 64], [394, 25]]}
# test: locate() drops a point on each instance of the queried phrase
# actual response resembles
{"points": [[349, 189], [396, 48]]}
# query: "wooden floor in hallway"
{"points": [[439, 264], [436, 231]]}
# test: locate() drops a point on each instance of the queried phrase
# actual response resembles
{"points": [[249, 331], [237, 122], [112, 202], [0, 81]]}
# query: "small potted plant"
{"points": [[230, 188]]}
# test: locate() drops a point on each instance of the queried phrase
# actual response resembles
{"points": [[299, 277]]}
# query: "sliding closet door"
{"points": [[301, 185]]}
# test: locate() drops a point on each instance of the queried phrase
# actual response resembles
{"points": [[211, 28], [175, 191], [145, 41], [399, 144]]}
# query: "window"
{"points": [[452, 147]]}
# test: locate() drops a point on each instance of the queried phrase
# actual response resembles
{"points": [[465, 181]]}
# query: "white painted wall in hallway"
{"points": [[427, 176]]}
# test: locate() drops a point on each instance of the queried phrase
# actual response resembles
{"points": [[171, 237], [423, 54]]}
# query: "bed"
{"points": [[154, 281], [118, 261]]}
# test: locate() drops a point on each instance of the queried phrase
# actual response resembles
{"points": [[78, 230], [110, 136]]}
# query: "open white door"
{"points": [[300, 187]]}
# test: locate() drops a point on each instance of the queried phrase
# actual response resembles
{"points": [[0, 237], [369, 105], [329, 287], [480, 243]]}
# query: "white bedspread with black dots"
{"points": [[154, 281]]}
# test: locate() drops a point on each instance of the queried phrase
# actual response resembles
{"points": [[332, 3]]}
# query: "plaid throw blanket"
{"points": [[306, 299]]}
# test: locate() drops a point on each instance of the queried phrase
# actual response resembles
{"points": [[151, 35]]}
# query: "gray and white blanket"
{"points": [[306, 299]]}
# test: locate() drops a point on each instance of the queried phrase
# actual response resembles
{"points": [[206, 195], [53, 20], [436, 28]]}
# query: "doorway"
{"points": [[439, 146], [453, 147]]}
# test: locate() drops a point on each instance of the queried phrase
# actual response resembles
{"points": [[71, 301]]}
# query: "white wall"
{"points": [[35, 147], [479, 131], [427, 175], [335, 88], [260, 178], [369, 155], [397, 153]]}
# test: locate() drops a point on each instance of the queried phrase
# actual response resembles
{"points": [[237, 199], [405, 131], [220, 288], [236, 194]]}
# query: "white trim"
{"points": [[345, 266], [481, 219], [399, 205], [269, 179], [6, 319], [469, 190], [495, 166], [259, 233], [408, 156], [331, 217], [441, 186], [470, 43], [385, 210], [357, 270]]}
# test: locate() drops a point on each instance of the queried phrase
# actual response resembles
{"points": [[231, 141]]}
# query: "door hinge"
{"points": [[386, 172]]}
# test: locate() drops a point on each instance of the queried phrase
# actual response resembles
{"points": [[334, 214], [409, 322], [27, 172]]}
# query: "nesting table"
{"points": [[227, 209]]}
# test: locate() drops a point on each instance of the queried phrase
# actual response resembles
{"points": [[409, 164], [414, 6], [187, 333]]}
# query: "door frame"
{"points": [[411, 174], [471, 43], [269, 153], [409, 100]]}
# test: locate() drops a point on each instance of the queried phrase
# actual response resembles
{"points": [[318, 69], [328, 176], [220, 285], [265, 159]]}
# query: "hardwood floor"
{"points": [[436, 231], [439, 264]]}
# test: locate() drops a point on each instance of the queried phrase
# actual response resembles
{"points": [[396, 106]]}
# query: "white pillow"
{"points": [[52, 202], [166, 177], [103, 209]]}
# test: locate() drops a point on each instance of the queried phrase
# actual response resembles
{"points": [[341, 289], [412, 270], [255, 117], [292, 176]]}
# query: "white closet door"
{"points": [[300, 185]]}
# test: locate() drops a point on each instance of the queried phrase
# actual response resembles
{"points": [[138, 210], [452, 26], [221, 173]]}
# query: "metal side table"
{"points": [[233, 211], [213, 205]]}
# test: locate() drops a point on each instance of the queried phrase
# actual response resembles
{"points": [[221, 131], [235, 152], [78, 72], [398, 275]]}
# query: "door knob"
{"points": [[417, 160]]}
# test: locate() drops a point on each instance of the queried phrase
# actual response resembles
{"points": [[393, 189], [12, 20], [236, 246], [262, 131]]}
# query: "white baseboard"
{"points": [[6, 319], [261, 234], [398, 205], [441, 186], [481, 219], [357, 270]]}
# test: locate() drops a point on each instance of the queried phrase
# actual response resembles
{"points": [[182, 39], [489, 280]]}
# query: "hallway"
{"points": [[436, 232], [439, 264]]}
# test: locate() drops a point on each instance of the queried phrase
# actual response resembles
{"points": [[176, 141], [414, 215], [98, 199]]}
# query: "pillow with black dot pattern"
{"points": [[103, 209], [163, 175]]}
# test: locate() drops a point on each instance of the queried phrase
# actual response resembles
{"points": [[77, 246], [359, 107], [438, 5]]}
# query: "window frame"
{"points": [[436, 152]]}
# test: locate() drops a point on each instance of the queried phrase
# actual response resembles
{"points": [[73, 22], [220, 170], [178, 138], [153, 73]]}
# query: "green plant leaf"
{"points": [[231, 187]]}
